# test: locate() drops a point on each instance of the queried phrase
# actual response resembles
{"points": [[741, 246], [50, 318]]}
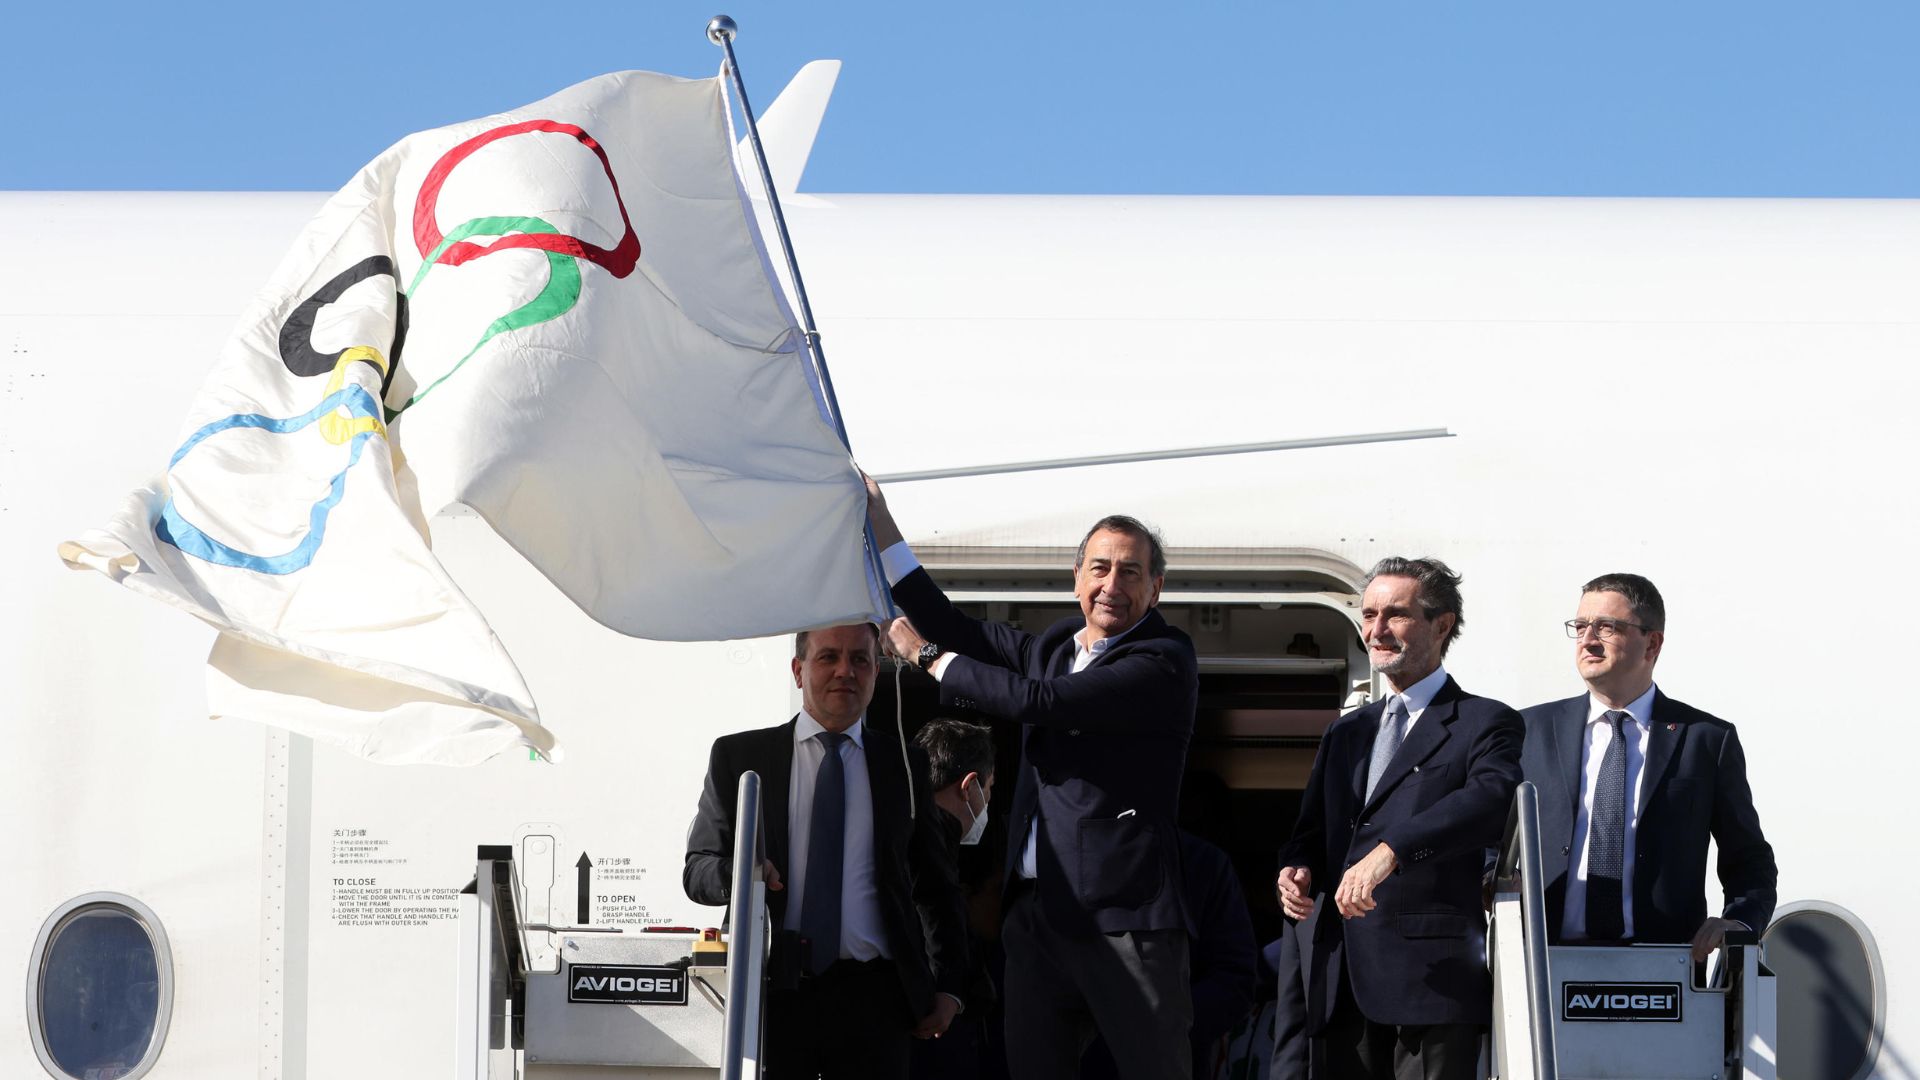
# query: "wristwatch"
{"points": [[928, 654]]}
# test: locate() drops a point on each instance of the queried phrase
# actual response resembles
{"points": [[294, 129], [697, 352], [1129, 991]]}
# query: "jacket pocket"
{"points": [[1435, 924], [1119, 862]]}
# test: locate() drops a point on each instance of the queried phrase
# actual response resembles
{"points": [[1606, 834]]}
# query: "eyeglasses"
{"points": [[1604, 629]]}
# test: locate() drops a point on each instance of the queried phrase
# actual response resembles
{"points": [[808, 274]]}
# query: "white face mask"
{"points": [[979, 826]]}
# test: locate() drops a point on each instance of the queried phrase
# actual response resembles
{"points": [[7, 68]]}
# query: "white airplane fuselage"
{"points": [[1716, 394]]}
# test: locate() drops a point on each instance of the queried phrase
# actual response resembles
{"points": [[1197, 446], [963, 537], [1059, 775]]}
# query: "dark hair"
{"points": [[1439, 588], [1135, 528], [1639, 592], [800, 639], [954, 749]]}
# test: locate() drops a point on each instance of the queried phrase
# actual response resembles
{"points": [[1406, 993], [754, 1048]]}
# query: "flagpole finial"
{"points": [[721, 29]]}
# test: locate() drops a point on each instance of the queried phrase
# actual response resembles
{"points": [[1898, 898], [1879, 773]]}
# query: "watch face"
{"points": [[928, 654]]}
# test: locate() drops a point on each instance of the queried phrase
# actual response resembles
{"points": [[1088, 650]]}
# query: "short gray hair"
{"points": [[1438, 592], [1134, 527]]}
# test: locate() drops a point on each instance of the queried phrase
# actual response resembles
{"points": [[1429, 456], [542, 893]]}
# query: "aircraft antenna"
{"points": [[721, 30]]}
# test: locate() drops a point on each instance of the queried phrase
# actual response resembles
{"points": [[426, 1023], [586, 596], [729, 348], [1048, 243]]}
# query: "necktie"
{"points": [[1607, 838], [1393, 728], [826, 854]]}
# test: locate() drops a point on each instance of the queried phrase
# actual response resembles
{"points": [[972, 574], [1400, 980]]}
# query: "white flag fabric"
{"points": [[563, 317]]}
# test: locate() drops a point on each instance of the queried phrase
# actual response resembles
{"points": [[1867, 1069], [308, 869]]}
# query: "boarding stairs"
{"points": [[612, 1005], [1632, 1012]]}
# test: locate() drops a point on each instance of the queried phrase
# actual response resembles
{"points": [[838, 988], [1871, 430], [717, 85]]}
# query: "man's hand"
{"points": [[904, 641], [1292, 888], [885, 532], [1354, 897], [770, 875], [934, 1024], [1711, 935]]}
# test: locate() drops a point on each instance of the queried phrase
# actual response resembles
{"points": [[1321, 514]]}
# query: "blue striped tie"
{"points": [[1607, 838]]}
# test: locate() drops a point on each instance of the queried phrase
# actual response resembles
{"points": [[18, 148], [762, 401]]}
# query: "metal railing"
{"points": [[1518, 871], [491, 1010], [748, 934]]}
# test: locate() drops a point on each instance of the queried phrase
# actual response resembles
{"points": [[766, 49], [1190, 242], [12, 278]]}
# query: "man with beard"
{"points": [[1405, 798]]}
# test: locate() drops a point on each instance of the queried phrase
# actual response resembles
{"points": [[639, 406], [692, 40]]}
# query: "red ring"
{"points": [[618, 260]]}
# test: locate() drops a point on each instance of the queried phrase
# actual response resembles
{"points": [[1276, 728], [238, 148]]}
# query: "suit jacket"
{"points": [[1223, 953], [1102, 754], [1694, 785], [921, 911], [1419, 956]]}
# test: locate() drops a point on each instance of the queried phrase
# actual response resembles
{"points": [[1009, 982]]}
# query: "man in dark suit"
{"points": [[857, 876], [1405, 798], [1096, 928], [1622, 754]]}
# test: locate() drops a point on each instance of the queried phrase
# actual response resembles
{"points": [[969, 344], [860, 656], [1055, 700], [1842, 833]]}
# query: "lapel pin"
{"points": [[1671, 727]]}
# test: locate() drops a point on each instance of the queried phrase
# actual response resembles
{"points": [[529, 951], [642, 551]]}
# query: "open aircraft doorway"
{"points": [[1277, 632]]}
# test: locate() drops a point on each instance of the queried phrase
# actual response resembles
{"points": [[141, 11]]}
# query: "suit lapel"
{"points": [[1366, 728], [1148, 627], [1663, 738], [1570, 733], [1421, 742], [1061, 662], [776, 781]]}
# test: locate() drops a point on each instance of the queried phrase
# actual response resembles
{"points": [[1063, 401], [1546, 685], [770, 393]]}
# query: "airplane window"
{"points": [[1832, 991], [100, 989]]}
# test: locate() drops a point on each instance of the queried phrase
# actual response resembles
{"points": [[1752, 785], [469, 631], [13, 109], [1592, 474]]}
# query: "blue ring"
{"points": [[176, 530]]}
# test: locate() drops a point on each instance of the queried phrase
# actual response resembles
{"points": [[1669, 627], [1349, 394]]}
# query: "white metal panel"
{"points": [[114, 778], [1711, 393]]}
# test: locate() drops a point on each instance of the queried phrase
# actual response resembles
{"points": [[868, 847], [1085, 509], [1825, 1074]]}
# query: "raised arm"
{"points": [[928, 609], [1149, 686]]}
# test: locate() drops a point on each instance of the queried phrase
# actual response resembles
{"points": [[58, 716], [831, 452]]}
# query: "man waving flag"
{"points": [[560, 316]]}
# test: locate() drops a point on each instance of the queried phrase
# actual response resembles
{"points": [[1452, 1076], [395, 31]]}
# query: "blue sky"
{"points": [[1471, 97]]}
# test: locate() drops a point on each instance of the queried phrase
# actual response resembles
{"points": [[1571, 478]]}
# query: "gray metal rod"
{"points": [[1523, 847], [1162, 455], [721, 30], [743, 933]]}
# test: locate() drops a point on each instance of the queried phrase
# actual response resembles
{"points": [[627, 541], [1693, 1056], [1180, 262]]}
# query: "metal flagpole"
{"points": [[721, 30], [1161, 455]]}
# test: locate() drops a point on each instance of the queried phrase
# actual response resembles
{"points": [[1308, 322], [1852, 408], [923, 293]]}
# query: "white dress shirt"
{"points": [[861, 935], [1599, 736], [1420, 695]]}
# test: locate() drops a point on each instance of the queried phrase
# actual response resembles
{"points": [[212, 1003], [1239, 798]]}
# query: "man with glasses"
{"points": [[1405, 798], [1624, 754]]}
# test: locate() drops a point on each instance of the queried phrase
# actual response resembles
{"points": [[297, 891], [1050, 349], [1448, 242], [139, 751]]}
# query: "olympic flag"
{"points": [[562, 317]]}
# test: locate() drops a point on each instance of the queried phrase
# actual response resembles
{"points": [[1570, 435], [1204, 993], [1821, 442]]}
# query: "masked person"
{"points": [[960, 772]]}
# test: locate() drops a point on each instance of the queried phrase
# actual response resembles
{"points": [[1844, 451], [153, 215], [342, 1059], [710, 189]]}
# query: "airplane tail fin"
{"points": [[788, 126]]}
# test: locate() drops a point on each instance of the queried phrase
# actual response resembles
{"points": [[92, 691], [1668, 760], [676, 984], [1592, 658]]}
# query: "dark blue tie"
{"points": [[826, 854], [1607, 838]]}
